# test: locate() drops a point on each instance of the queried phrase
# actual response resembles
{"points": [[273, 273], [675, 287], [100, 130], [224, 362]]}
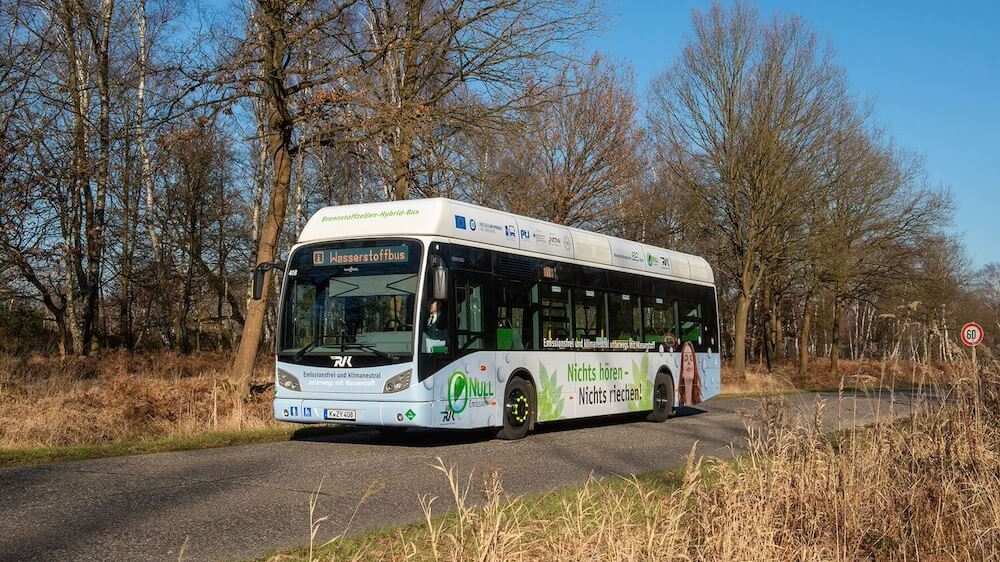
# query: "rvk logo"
{"points": [[341, 360]]}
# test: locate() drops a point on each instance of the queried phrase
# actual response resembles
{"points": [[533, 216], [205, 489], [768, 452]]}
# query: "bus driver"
{"points": [[436, 330]]}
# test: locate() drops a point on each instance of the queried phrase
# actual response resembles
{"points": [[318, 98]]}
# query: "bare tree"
{"points": [[989, 288], [383, 71], [877, 216], [740, 115], [577, 159], [453, 65]]}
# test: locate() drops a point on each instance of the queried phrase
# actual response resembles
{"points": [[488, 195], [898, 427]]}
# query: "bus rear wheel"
{"points": [[663, 398], [518, 407]]}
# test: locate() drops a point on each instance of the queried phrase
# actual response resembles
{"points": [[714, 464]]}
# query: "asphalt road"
{"points": [[241, 502]]}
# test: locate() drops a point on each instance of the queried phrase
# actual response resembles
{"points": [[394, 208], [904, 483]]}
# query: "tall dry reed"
{"points": [[922, 487]]}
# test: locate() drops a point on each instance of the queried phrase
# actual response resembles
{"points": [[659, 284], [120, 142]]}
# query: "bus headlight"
{"points": [[399, 382], [288, 380]]}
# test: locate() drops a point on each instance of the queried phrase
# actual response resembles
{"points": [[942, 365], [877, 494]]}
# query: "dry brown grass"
{"points": [[865, 375], [926, 487], [46, 401]]}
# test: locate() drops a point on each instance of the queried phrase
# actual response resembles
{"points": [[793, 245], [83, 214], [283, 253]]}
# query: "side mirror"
{"points": [[257, 286], [440, 283]]}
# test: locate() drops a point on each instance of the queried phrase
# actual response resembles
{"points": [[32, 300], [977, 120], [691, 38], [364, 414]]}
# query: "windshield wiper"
{"points": [[312, 345], [378, 352]]}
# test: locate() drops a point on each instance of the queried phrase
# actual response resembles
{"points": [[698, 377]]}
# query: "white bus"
{"points": [[436, 313]]}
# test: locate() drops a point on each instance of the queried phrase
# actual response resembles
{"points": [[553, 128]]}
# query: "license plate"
{"points": [[349, 415]]}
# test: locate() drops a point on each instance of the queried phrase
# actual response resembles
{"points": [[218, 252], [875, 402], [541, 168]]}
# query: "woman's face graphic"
{"points": [[687, 360]]}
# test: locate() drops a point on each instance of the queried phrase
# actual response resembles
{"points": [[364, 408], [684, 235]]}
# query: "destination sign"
{"points": [[361, 256]]}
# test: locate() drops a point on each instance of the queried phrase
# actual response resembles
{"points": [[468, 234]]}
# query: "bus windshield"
{"points": [[352, 298]]}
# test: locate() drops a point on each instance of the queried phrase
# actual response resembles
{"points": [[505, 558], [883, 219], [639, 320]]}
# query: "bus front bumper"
{"points": [[404, 414]]}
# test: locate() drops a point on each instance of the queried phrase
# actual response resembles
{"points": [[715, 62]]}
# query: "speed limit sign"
{"points": [[972, 334]]}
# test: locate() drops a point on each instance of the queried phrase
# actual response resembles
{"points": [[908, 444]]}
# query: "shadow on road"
{"points": [[688, 411], [412, 437], [427, 437]]}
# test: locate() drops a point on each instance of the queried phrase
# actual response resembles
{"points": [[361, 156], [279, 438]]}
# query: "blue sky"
{"points": [[932, 70]]}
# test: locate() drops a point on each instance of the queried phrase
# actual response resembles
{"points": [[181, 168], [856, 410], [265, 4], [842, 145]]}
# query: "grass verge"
{"points": [[386, 543], [922, 487], [38, 455]]}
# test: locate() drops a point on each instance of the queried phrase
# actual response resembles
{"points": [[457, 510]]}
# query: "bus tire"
{"points": [[663, 398], [518, 409]]}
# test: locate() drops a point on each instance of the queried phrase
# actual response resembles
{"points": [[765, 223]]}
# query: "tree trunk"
{"points": [[101, 38], [221, 289], [852, 335], [74, 273], [193, 227], [125, 263], [740, 334], [749, 283], [804, 337], [945, 340], [65, 338], [159, 265], [253, 324], [260, 186], [835, 335], [141, 140], [279, 137], [299, 185], [779, 339], [401, 162], [768, 339]]}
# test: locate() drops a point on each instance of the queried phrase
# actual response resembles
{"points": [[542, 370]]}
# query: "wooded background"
{"points": [[152, 152]]}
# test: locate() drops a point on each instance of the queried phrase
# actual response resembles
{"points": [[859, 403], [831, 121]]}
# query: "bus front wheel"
{"points": [[518, 407], [663, 398]]}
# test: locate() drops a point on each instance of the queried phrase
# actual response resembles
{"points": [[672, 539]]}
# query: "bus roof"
{"points": [[464, 221]]}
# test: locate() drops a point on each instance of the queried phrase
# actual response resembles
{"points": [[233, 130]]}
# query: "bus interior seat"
{"points": [[509, 338]]}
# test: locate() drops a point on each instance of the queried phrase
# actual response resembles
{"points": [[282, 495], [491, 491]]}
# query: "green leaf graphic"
{"points": [[550, 397], [640, 378]]}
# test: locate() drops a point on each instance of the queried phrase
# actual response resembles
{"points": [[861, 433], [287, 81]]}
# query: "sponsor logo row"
{"points": [[511, 232]]}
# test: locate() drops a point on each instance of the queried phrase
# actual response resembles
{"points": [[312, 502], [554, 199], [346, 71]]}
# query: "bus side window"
{"points": [[589, 315], [624, 317], [472, 329], [517, 314], [434, 320], [659, 320], [709, 337], [555, 313], [691, 322]]}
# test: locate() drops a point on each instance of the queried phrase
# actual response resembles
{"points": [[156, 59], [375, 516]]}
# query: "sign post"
{"points": [[972, 336]]}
